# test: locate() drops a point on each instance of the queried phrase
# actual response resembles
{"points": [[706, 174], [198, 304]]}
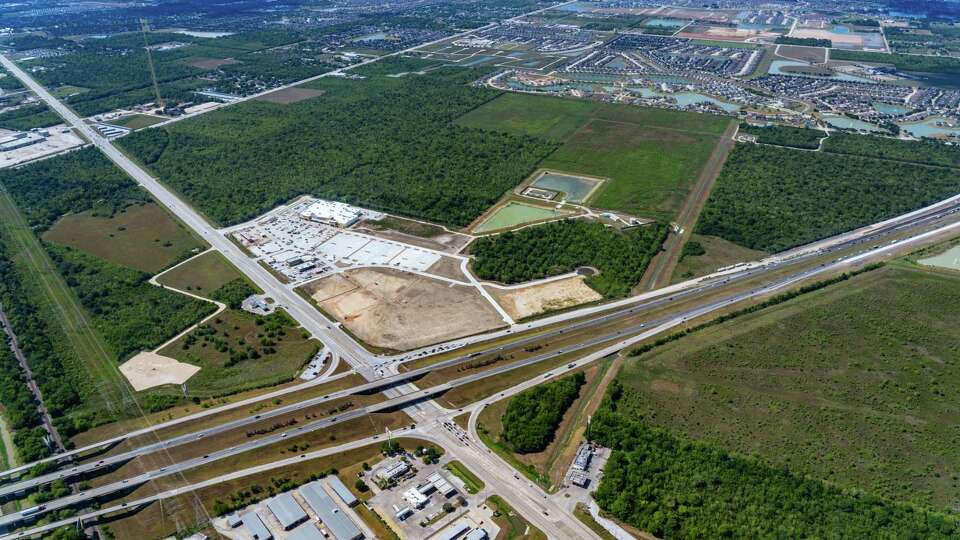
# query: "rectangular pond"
{"points": [[576, 189], [513, 214]]}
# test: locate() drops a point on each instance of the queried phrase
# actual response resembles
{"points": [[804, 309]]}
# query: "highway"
{"points": [[343, 346]]}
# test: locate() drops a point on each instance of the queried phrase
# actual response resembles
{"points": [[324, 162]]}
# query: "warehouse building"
{"points": [[338, 523], [454, 531], [287, 511], [332, 213], [307, 532], [341, 490], [253, 523]]}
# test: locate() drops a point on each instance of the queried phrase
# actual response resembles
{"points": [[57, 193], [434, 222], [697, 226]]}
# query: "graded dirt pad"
{"points": [[149, 370], [396, 310], [536, 299], [291, 95], [213, 63]]}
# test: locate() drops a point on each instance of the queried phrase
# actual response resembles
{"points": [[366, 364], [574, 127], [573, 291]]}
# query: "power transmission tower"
{"points": [[144, 28]]}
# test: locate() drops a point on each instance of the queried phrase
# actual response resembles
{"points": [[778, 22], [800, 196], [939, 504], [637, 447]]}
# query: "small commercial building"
{"points": [[582, 460], [341, 490], [416, 499], [253, 523], [338, 523], [393, 471], [478, 534], [287, 510], [441, 485], [453, 532]]}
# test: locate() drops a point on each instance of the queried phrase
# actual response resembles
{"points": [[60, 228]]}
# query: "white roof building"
{"points": [[415, 498], [332, 212]]}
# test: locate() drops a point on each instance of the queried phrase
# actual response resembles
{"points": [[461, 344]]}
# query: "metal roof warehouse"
{"points": [[329, 513]]}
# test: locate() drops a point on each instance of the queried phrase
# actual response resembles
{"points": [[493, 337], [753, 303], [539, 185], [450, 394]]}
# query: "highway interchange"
{"points": [[858, 247]]}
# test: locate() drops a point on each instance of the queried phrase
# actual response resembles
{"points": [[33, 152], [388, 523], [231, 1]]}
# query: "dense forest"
{"points": [[924, 151], [562, 246], [905, 62], [674, 488], [71, 183], [785, 135], [772, 199], [384, 143], [234, 292], [131, 314], [533, 416]]}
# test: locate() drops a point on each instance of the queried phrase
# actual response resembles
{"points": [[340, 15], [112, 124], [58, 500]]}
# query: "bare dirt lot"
{"points": [[536, 299], [213, 63], [290, 95], [396, 310], [148, 370], [816, 55]]}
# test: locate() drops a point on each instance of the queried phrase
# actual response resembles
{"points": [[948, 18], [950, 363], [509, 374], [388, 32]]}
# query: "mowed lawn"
{"points": [[855, 384], [144, 237], [201, 275], [652, 156]]}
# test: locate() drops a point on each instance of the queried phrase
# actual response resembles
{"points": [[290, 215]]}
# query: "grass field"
{"points": [[143, 237], [138, 121], [202, 275], [719, 253], [512, 525], [582, 513], [101, 384], [652, 156], [853, 384], [472, 483], [215, 346]]}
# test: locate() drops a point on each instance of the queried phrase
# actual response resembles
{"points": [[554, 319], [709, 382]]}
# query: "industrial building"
{"points": [[332, 213], [22, 139], [338, 523], [582, 460], [307, 532], [403, 513], [287, 510], [478, 534], [415, 497], [253, 523], [341, 490], [441, 485]]}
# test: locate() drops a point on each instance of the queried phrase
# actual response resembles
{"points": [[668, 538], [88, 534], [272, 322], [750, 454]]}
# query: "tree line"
{"points": [[562, 246], [676, 488], [784, 135], [924, 151], [533, 416]]}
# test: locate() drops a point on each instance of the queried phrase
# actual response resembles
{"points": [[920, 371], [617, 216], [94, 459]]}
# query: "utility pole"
{"points": [[144, 28]]}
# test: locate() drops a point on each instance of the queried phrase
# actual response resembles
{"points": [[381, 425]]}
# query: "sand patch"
{"points": [[536, 299], [290, 95], [396, 310], [149, 370]]}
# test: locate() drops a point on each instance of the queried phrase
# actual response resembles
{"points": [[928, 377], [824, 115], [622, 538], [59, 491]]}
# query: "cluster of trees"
{"points": [[692, 249], [234, 292], [27, 118], [533, 416], [806, 42], [784, 135], [384, 143], [129, 313], [904, 62], [772, 199], [923, 151], [674, 488], [562, 246], [71, 183]]}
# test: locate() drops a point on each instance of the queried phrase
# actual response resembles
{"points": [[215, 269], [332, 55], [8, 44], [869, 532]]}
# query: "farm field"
{"points": [[771, 199], [238, 351], [143, 237], [201, 275], [614, 141], [381, 142], [851, 384]]}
